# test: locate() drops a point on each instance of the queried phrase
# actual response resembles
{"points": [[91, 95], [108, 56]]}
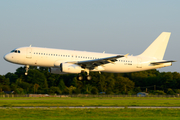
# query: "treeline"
{"points": [[40, 81]]}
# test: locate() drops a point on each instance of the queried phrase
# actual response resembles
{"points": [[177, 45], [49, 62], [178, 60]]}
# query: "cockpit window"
{"points": [[15, 51], [12, 50]]}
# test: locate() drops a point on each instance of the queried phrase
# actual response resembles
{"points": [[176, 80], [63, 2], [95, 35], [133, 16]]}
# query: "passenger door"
{"points": [[29, 52]]}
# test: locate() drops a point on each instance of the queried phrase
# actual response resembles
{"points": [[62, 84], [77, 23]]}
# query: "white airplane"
{"points": [[69, 61]]}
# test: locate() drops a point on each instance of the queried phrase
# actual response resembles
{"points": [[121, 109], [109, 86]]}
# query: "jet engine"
{"points": [[65, 68], [70, 68]]}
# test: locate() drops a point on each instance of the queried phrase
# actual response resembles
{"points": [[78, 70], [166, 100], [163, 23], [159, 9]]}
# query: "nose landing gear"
{"points": [[27, 68]]}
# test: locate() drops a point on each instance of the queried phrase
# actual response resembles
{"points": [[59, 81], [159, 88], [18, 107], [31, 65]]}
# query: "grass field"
{"points": [[10, 113], [121, 101], [89, 114]]}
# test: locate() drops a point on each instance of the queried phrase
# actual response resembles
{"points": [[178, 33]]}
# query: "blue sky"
{"points": [[114, 26]]}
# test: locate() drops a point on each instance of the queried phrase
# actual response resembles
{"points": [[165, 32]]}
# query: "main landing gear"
{"points": [[27, 68], [80, 77], [88, 77]]}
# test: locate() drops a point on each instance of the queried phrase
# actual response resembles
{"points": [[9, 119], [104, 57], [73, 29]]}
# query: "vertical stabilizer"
{"points": [[158, 47]]}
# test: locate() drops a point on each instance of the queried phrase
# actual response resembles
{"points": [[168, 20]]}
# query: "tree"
{"points": [[87, 89], [20, 71], [13, 86], [123, 85], [94, 90], [61, 85], [54, 90], [137, 89], [176, 77], [170, 91], [4, 80], [6, 88], [39, 80], [12, 77], [36, 86], [71, 89], [45, 84], [159, 92], [168, 81], [102, 85], [19, 91], [25, 86], [36, 77], [110, 85]]}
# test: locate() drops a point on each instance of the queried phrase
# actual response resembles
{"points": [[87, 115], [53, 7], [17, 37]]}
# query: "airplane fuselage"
{"points": [[46, 57]]}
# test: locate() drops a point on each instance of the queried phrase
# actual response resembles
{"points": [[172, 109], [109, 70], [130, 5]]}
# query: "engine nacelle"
{"points": [[55, 71], [70, 68]]}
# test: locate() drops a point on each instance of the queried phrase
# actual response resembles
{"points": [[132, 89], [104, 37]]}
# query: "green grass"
{"points": [[85, 113], [121, 101], [89, 114]]}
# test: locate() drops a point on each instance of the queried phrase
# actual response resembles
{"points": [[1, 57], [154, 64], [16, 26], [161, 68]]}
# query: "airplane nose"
{"points": [[7, 57]]}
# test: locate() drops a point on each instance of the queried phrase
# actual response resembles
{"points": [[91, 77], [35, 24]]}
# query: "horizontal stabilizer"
{"points": [[161, 62]]}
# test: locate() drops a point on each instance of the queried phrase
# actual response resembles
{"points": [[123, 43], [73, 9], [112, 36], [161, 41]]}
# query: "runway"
{"points": [[90, 107]]}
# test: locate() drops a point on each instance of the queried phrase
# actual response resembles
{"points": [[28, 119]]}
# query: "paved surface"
{"points": [[138, 107]]}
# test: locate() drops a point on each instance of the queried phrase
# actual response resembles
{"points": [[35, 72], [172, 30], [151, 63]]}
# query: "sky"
{"points": [[113, 26]]}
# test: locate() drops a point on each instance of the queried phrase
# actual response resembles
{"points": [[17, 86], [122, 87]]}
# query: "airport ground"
{"points": [[89, 114], [7, 111], [84, 102]]}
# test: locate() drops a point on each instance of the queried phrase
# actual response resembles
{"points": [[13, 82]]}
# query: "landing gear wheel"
{"points": [[88, 77], [80, 77]]}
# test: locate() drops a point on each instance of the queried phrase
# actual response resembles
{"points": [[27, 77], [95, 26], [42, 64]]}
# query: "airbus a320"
{"points": [[62, 61]]}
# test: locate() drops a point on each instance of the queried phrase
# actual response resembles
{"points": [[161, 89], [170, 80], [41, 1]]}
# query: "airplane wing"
{"points": [[161, 62], [91, 64]]}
